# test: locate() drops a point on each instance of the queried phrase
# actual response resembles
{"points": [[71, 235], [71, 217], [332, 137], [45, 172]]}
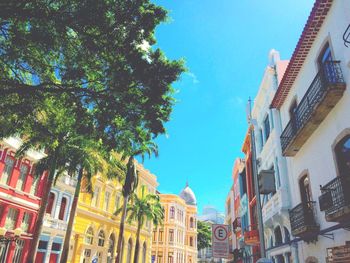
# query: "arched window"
{"points": [[271, 241], [172, 212], [128, 256], [101, 238], [278, 236], [8, 169], [62, 208], [305, 189], [286, 235], [191, 222], [144, 252], [110, 254], [89, 236], [50, 203], [342, 152]]}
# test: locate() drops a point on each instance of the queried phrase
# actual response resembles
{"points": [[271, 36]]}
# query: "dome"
{"points": [[188, 195]]}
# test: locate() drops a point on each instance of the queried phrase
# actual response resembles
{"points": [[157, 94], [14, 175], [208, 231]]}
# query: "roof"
{"points": [[311, 28], [188, 195]]}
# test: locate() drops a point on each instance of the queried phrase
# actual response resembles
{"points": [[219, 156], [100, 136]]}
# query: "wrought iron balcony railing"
{"points": [[324, 92], [302, 221], [335, 199]]}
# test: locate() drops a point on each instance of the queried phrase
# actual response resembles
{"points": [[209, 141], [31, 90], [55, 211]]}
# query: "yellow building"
{"points": [[96, 229], [176, 240]]}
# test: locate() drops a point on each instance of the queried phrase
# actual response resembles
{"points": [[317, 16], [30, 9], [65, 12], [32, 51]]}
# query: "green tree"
{"points": [[92, 51], [131, 180], [204, 235], [146, 207], [57, 131]]}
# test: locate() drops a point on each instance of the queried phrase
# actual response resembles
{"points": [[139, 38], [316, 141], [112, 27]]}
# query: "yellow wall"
{"points": [[99, 218]]}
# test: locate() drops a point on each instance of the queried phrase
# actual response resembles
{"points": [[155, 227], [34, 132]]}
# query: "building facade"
{"points": [[96, 228], [20, 195], [267, 129], [176, 240], [56, 220], [313, 99]]}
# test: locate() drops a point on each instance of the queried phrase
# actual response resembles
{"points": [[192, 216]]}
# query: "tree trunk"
{"points": [[137, 245], [65, 249], [121, 230], [41, 213]]}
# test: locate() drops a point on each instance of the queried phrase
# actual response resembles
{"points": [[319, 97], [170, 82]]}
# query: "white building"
{"points": [[267, 129], [210, 213], [56, 219], [314, 98]]}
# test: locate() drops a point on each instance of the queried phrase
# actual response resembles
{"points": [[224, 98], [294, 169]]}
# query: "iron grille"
{"points": [[330, 74], [302, 216], [338, 189]]}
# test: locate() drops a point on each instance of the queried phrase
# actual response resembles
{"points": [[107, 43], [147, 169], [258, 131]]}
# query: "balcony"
{"points": [[325, 91], [55, 223], [278, 204], [302, 221], [251, 236], [335, 199]]}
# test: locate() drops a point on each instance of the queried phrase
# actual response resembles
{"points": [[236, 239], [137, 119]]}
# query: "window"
{"points": [[286, 235], [128, 256], [18, 251], [101, 239], [106, 203], [25, 222], [154, 235], [160, 237], [89, 236], [261, 138], [144, 253], [342, 152], [42, 245], [191, 241], [3, 251], [160, 258], [278, 236], [191, 222], [171, 235], [6, 174], [117, 200], [24, 169], [95, 197], [11, 219], [50, 203], [267, 127], [170, 257], [63, 208], [110, 254], [305, 189], [35, 185], [56, 246], [172, 212]]}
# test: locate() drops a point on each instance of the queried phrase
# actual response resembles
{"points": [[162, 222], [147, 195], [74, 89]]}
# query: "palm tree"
{"points": [[88, 162], [145, 207], [61, 134], [131, 181]]}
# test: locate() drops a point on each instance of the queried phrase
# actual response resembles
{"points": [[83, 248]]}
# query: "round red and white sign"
{"points": [[220, 233]]}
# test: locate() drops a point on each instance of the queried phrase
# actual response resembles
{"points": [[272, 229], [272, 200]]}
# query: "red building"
{"points": [[20, 194], [251, 235]]}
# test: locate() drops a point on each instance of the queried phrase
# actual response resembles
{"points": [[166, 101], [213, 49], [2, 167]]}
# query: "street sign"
{"points": [[220, 242]]}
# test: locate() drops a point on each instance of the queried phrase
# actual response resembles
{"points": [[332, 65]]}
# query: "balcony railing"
{"points": [[302, 221], [55, 223], [323, 94], [335, 199]]}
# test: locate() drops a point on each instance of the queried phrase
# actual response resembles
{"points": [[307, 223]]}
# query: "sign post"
{"points": [[220, 242]]}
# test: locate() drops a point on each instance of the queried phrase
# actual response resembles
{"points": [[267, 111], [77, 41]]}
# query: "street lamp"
{"points": [[7, 239]]}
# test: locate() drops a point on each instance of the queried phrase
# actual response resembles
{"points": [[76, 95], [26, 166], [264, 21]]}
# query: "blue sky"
{"points": [[225, 44]]}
